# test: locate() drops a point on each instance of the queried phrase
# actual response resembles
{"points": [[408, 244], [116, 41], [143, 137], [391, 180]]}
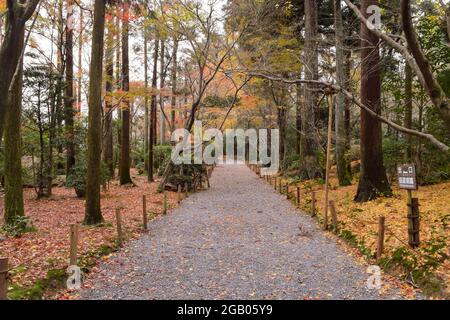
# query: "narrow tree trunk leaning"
{"points": [[108, 151], [344, 174], [93, 214], [11, 49], [373, 180], [310, 166], [125, 177], [13, 153], [69, 98], [153, 112]]}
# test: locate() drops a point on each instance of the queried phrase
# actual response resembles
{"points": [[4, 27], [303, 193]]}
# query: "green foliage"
{"points": [[420, 267], [55, 280], [444, 81], [19, 226], [77, 177], [162, 156]]}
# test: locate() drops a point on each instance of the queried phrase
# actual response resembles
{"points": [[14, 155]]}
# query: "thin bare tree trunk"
{"points": [[153, 115], [125, 177], [174, 82], [69, 96], [108, 152], [344, 175]]}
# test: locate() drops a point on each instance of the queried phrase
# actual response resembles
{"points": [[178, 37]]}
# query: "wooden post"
{"points": [[119, 227], [381, 230], [186, 189], [334, 219], [413, 223], [298, 196], [179, 193], [328, 166], [287, 190], [165, 203], [73, 244], [313, 204], [207, 181], [144, 212], [275, 183], [280, 186], [3, 278]]}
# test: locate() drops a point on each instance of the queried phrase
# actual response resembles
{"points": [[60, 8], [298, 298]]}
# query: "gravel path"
{"points": [[238, 240]]}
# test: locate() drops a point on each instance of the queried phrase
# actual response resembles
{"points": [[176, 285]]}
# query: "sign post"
{"points": [[407, 180]]}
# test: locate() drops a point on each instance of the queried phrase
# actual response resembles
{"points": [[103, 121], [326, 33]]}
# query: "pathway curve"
{"points": [[238, 240]]}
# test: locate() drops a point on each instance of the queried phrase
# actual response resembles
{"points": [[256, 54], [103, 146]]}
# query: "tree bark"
{"points": [[344, 174], [108, 151], [14, 207], [310, 167], [174, 82], [146, 101], [373, 180], [10, 51], [408, 112], [93, 214], [162, 84], [153, 111], [125, 177], [69, 96]]}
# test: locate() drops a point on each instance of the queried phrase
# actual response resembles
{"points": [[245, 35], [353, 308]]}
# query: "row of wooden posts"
{"points": [[277, 184], [74, 233]]}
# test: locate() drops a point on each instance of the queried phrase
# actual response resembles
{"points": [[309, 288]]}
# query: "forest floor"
{"points": [[238, 240], [428, 266], [39, 258]]}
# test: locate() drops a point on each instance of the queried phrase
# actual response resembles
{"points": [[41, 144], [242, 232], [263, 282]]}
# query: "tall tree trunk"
{"points": [[310, 168], [408, 112], [174, 82], [344, 175], [153, 111], [298, 119], [146, 101], [69, 96], [108, 125], [93, 214], [80, 62], [125, 177], [162, 84], [10, 51], [373, 181], [13, 152], [118, 82]]}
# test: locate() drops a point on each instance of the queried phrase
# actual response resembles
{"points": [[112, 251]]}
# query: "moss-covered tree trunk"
{"points": [[93, 214], [373, 181], [13, 153], [125, 177]]}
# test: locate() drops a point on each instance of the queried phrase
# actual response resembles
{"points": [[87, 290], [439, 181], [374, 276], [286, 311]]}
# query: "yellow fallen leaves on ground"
{"points": [[360, 220]]}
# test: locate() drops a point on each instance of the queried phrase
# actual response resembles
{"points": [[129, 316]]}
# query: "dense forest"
{"points": [[91, 92]]}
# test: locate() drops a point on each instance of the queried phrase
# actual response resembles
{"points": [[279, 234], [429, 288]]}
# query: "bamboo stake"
{"points": [[144, 212], [381, 230], [334, 219], [73, 244], [3, 278], [119, 226]]}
